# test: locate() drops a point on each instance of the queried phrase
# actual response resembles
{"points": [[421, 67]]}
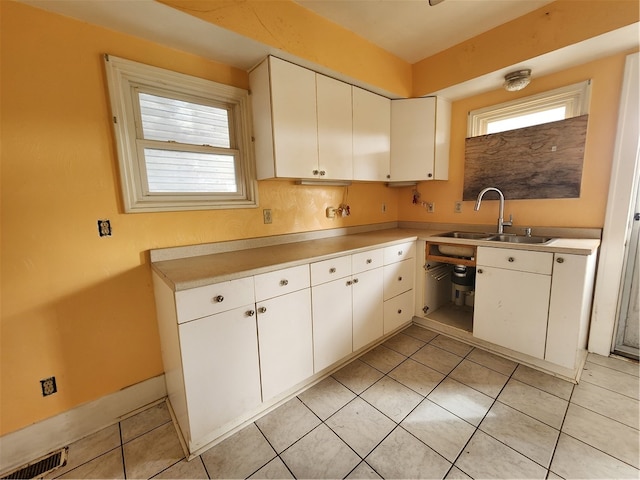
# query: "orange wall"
{"points": [[75, 305], [586, 211]]}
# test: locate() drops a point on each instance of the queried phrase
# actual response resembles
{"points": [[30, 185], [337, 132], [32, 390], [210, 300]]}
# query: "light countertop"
{"points": [[196, 271]]}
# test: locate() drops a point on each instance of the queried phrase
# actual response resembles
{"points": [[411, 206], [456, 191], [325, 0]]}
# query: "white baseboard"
{"points": [[19, 447]]}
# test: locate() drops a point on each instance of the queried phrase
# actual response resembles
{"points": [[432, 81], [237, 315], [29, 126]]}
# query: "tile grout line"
{"points": [[124, 464]]}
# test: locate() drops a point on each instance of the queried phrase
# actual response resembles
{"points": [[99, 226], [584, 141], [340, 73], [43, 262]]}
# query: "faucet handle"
{"points": [[509, 223]]}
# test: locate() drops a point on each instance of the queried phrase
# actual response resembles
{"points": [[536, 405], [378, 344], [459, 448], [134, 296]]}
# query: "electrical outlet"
{"points": [[266, 215], [458, 207], [104, 228], [331, 212], [48, 386], [431, 207]]}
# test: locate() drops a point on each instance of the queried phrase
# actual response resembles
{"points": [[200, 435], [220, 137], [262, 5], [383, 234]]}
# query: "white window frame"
{"points": [[574, 97], [124, 78]]}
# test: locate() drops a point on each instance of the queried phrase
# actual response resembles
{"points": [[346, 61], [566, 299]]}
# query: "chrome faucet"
{"points": [[501, 222]]}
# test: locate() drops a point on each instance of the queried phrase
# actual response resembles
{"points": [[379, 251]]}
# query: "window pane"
{"points": [[171, 120], [175, 171], [521, 121]]}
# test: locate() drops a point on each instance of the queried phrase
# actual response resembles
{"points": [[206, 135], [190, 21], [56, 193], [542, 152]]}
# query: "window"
{"points": [[559, 104], [183, 142]]}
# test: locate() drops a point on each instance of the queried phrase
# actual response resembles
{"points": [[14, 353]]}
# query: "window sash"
{"points": [[575, 99]]}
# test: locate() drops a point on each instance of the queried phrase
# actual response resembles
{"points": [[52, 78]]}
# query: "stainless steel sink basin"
{"points": [[468, 235], [519, 239]]}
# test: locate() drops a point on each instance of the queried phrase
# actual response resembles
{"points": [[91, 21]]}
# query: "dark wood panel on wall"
{"points": [[543, 161]]}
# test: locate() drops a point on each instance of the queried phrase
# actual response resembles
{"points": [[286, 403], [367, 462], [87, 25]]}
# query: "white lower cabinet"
{"points": [[512, 298], [397, 311], [233, 349], [221, 369], [283, 306], [285, 339], [332, 331], [569, 308]]}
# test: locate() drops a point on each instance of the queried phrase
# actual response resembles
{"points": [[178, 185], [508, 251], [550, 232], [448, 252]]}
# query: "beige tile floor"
{"points": [[419, 406]]}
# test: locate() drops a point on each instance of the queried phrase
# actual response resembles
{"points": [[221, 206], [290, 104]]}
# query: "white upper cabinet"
{"points": [[371, 136], [335, 145], [302, 123], [285, 121], [420, 139]]}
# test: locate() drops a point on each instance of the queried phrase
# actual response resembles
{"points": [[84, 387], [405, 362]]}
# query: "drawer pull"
{"points": [[399, 311], [355, 280], [332, 270], [479, 270], [262, 310], [349, 282], [218, 299], [369, 260], [399, 279], [511, 259], [250, 313], [560, 260], [315, 172], [399, 252], [284, 283]]}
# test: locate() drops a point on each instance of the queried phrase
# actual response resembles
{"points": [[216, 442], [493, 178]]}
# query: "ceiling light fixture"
{"points": [[517, 80]]}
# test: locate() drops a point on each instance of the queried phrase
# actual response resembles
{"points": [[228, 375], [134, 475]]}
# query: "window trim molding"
{"points": [[575, 97], [123, 77]]}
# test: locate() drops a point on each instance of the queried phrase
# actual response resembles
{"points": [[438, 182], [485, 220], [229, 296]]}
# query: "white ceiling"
{"points": [[413, 29]]}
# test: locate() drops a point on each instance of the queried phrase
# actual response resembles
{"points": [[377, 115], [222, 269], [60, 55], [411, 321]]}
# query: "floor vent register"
{"points": [[40, 467]]}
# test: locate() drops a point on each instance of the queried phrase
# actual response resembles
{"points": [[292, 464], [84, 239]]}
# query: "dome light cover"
{"points": [[517, 80]]}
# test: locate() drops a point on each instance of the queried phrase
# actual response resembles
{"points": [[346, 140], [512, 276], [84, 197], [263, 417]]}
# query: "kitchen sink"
{"points": [[468, 235], [519, 239]]}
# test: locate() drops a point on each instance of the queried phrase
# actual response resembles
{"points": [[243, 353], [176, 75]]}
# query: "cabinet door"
{"points": [[285, 339], [335, 145], [367, 294], [412, 139], [221, 369], [371, 136], [569, 308], [511, 309], [295, 126], [332, 326]]}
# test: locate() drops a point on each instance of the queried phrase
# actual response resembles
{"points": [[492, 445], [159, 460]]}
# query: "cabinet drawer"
{"points": [[361, 262], [520, 260], [219, 297], [397, 253], [327, 270], [398, 278], [397, 311], [273, 284]]}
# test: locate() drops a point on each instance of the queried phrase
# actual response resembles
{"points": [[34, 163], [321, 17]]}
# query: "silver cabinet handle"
{"points": [[250, 313], [479, 270], [399, 279], [369, 260], [315, 172], [262, 310], [322, 173], [511, 259], [399, 311], [399, 252], [560, 260], [349, 282], [218, 299], [332, 270], [284, 283], [355, 280]]}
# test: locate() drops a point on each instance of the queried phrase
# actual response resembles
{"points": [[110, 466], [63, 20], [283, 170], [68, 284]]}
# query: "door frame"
{"points": [[619, 214]]}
